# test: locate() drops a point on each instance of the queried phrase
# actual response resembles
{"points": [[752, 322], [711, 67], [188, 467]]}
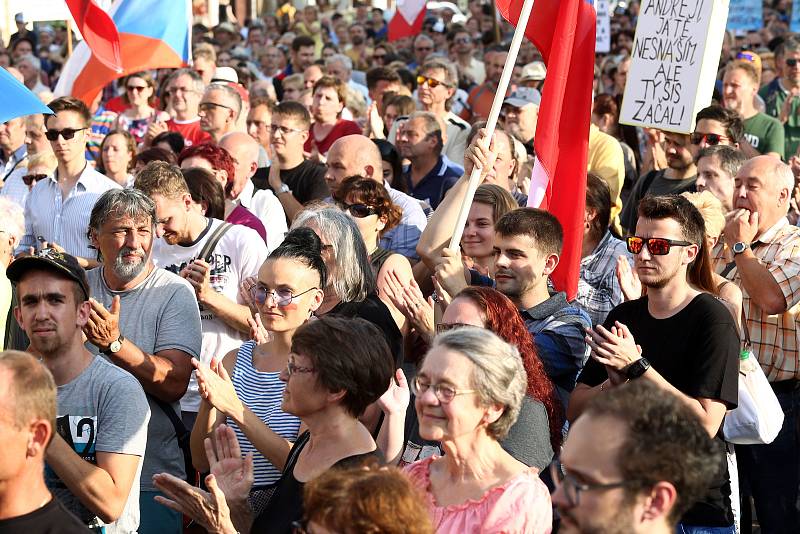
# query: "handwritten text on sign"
{"points": [[668, 55]]}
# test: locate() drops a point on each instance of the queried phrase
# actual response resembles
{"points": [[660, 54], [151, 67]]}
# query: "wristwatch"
{"points": [[283, 189], [636, 369], [115, 346], [739, 247]]}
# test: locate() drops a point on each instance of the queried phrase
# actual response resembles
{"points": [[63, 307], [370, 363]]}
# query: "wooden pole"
{"points": [[69, 38], [494, 114]]}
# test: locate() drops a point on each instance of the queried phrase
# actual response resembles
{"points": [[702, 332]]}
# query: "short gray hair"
{"points": [[340, 58], [432, 126], [33, 60], [12, 219], [730, 159], [498, 373], [450, 75], [784, 176], [230, 93], [116, 203], [197, 81], [352, 277]]}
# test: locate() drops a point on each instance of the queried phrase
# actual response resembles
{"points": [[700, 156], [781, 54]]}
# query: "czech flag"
{"points": [[153, 34], [407, 20], [564, 32]]}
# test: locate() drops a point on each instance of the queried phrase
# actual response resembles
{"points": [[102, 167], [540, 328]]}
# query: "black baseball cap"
{"points": [[51, 260]]}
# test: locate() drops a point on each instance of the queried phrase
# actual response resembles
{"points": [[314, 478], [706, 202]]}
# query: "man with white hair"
{"points": [[219, 110], [185, 87], [30, 66], [341, 67], [764, 249], [262, 203]]}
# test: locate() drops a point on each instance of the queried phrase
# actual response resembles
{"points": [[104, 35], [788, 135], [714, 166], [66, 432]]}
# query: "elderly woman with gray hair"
{"points": [[469, 391]]}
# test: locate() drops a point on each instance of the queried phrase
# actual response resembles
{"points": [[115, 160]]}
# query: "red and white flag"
{"points": [[564, 32], [407, 20], [99, 31]]}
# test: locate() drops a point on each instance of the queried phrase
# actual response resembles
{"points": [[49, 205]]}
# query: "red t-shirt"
{"points": [[340, 129], [190, 130]]}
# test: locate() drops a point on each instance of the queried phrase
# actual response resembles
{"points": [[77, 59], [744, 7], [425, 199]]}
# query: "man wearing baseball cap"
{"points": [[519, 114], [95, 458]]}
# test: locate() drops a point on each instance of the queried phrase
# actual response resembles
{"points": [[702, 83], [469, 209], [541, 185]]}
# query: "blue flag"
{"points": [[17, 100]]}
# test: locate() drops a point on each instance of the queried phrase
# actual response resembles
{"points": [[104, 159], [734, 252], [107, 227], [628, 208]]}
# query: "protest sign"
{"points": [[674, 63], [745, 15], [603, 35]]}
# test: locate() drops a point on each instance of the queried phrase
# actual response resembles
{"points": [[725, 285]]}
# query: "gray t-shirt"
{"points": [[159, 314], [104, 409]]}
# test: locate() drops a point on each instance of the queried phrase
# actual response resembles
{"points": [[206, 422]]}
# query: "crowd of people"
{"points": [[229, 302]]}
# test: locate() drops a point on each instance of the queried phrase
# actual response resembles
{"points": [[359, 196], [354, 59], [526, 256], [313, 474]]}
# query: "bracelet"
{"points": [[604, 384]]}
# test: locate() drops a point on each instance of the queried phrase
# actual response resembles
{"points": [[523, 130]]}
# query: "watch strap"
{"points": [[118, 342], [636, 369]]}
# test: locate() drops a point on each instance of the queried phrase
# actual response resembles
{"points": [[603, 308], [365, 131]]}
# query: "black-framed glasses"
{"points": [[711, 138], [573, 488], [657, 246], [281, 297], [284, 130], [359, 210], [66, 133], [292, 368], [444, 327], [432, 83], [33, 178], [208, 106], [444, 392]]}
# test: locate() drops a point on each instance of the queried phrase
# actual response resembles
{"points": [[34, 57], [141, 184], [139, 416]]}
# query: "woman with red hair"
{"points": [[535, 436]]}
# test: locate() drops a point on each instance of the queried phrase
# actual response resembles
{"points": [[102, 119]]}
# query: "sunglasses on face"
{"points": [[137, 88], [358, 210], [281, 297], [712, 139], [656, 246], [422, 80], [66, 133], [33, 178], [791, 62]]}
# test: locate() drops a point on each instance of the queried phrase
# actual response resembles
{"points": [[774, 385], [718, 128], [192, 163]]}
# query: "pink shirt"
{"points": [[521, 505]]}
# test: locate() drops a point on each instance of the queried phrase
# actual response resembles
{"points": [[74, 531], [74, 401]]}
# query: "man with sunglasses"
{"points": [[782, 95], [463, 48], [57, 210], [678, 337], [762, 134], [678, 177], [716, 125], [633, 462], [229, 257]]}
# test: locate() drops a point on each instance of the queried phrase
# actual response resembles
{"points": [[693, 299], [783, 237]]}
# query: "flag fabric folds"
{"points": [[153, 34], [407, 20], [99, 31], [17, 100], [564, 32]]}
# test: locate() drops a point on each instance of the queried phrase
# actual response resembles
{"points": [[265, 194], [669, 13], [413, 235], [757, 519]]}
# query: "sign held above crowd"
{"points": [[674, 63]]}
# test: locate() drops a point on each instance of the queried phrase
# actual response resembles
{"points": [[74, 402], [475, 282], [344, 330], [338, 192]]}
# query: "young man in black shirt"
{"points": [[678, 337], [27, 423]]}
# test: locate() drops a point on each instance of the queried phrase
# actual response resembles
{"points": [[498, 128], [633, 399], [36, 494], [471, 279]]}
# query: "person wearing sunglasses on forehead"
{"points": [[762, 134], [633, 462], [678, 337], [782, 95], [371, 208], [58, 208], [141, 112], [246, 392]]}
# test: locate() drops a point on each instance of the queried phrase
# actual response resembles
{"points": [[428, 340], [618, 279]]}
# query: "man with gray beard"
{"points": [[146, 321]]}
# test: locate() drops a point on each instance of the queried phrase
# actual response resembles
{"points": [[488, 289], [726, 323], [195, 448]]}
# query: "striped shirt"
{"points": [[775, 339], [64, 220], [262, 393]]}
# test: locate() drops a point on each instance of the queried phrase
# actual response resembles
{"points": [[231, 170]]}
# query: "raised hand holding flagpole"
{"points": [[491, 123]]}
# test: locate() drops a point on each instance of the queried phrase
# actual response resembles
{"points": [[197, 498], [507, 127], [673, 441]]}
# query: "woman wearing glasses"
{"points": [[140, 97], [469, 391], [246, 392], [336, 367], [368, 203]]}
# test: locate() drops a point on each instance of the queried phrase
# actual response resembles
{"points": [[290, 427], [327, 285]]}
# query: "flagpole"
{"points": [[494, 114]]}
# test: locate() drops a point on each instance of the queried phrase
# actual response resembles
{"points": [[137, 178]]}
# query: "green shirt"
{"points": [[765, 133], [774, 98]]}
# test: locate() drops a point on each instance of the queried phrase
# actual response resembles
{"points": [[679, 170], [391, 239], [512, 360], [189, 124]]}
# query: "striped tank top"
{"points": [[261, 392]]}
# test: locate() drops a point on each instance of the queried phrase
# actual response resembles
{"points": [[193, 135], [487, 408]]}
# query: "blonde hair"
{"points": [[43, 159], [711, 209]]}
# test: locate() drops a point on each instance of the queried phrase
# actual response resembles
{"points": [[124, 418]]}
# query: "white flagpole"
{"points": [[491, 123]]}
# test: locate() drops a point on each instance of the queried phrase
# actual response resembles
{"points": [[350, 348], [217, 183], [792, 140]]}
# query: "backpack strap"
{"points": [[211, 244]]}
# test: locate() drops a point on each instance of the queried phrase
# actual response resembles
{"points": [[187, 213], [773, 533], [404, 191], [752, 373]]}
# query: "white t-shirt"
{"points": [[238, 254]]}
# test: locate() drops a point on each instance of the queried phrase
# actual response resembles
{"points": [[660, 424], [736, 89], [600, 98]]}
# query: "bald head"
{"points": [[244, 150], [764, 184], [353, 155]]}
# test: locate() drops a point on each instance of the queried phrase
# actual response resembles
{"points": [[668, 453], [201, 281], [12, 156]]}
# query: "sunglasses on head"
{"points": [[358, 210], [66, 133], [712, 139], [656, 246], [791, 62], [33, 178], [422, 80], [747, 56]]}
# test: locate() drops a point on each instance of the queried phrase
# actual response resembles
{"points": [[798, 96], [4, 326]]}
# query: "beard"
{"points": [[357, 41], [127, 271]]}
